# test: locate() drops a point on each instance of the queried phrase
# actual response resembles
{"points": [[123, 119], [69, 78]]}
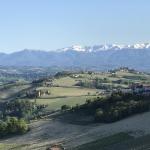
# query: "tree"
{"points": [[16, 126], [22, 126], [99, 114], [12, 123], [3, 128]]}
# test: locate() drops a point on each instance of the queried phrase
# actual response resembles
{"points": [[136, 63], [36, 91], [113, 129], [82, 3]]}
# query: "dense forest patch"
{"points": [[113, 108], [15, 115]]}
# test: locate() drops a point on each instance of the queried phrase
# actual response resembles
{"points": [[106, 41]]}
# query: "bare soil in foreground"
{"points": [[49, 131]]}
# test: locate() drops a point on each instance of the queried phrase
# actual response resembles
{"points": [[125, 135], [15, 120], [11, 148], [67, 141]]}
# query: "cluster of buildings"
{"points": [[141, 88], [137, 88], [37, 93]]}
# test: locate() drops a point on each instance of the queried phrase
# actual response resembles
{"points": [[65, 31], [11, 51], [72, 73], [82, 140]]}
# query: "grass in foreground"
{"points": [[13, 147], [105, 142]]}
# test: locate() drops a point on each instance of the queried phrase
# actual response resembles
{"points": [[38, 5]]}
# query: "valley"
{"points": [[62, 93]]}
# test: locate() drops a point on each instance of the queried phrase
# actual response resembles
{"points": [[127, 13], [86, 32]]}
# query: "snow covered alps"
{"points": [[97, 57], [104, 47]]}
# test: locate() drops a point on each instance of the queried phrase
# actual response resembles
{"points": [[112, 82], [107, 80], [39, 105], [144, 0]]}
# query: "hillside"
{"points": [[73, 130]]}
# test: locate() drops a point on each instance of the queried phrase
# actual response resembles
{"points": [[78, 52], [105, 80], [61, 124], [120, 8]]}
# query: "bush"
{"points": [[22, 126], [99, 114], [13, 125], [65, 107], [3, 128]]}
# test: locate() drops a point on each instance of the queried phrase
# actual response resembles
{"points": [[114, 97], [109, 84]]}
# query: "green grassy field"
{"points": [[65, 95], [64, 91], [64, 81], [56, 103]]}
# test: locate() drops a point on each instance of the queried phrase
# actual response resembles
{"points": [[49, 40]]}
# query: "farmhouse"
{"points": [[37, 93]]}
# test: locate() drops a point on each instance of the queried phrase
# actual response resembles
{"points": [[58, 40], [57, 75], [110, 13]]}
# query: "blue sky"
{"points": [[52, 24]]}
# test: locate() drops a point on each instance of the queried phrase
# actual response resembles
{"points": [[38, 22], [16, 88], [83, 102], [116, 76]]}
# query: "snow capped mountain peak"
{"points": [[104, 47], [78, 48]]}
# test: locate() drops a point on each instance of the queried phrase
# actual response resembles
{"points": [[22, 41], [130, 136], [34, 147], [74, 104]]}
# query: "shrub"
{"points": [[65, 107], [13, 125], [99, 114]]}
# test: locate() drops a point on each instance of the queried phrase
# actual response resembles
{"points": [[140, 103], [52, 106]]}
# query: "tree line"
{"points": [[113, 108], [98, 83]]}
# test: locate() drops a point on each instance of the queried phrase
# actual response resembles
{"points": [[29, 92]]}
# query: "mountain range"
{"points": [[98, 57]]}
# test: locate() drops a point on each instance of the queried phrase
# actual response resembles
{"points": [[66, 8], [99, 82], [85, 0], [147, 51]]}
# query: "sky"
{"points": [[54, 24]]}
